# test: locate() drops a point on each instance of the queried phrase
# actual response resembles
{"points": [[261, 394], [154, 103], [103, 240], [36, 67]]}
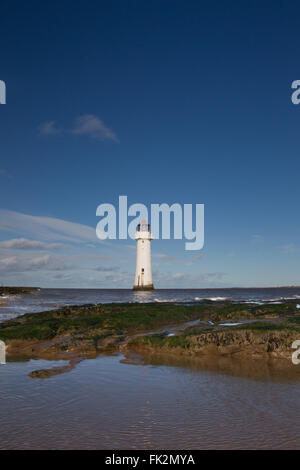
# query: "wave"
{"points": [[191, 299], [9, 297], [213, 299], [278, 300]]}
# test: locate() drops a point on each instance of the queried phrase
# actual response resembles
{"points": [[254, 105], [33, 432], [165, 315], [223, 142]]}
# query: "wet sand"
{"points": [[107, 404]]}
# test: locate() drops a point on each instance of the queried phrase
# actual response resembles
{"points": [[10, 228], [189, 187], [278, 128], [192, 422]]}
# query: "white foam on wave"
{"points": [[213, 299], [264, 301], [194, 299], [20, 308], [9, 297], [283, 299], [216, 299]]}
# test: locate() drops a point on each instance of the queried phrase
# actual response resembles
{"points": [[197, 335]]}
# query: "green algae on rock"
{"points": [[78, 332]]}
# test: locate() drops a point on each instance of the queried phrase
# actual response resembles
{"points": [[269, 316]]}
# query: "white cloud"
{"points": [[92, 126], [87, 124], [25, 244]]}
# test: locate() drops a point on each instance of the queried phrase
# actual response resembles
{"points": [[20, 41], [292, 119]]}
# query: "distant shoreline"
{"points": [[16, 290], [28, 290]]}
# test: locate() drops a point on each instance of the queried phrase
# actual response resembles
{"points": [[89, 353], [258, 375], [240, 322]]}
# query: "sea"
{"points": [[116, 402]]}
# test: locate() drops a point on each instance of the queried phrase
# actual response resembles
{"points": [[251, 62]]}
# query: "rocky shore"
{"points": [[255, 343], [209, 330]]}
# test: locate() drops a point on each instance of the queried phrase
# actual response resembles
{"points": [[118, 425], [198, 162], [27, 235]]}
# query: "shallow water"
{"points": [[167, 404]]}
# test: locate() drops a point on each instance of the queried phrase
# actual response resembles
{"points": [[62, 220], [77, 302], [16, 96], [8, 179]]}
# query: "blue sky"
{"points": [[170, 101]]}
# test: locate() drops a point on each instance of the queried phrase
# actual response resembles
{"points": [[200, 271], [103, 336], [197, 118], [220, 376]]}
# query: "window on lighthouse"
{"points": [[142, 270]]}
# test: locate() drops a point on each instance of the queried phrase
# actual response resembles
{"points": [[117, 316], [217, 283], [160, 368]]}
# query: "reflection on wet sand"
{"points": [[280, 370]]}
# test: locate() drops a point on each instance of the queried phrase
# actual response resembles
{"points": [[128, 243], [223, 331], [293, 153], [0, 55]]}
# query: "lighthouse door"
{"points": [[143, 272]]}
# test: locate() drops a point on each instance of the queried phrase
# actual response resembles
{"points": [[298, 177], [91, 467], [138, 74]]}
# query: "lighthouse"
{"points": [[143, 273]]}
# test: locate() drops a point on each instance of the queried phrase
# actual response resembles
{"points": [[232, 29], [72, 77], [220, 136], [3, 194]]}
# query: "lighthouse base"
{"points": [[149, 287]]}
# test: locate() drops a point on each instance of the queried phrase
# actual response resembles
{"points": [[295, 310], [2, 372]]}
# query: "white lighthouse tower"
{"points": [[143, 273]]}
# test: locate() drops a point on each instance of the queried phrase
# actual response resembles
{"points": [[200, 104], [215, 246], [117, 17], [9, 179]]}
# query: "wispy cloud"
{"points": [[25, 244], [23, 258], [214, 275], [289, 248], [4, 173], [257, 238], [88, 125], [189, 280], [25, 263], [47, 228], [107, 268], [49, 128], [17, 264], [164, 257], [93, 127]]}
